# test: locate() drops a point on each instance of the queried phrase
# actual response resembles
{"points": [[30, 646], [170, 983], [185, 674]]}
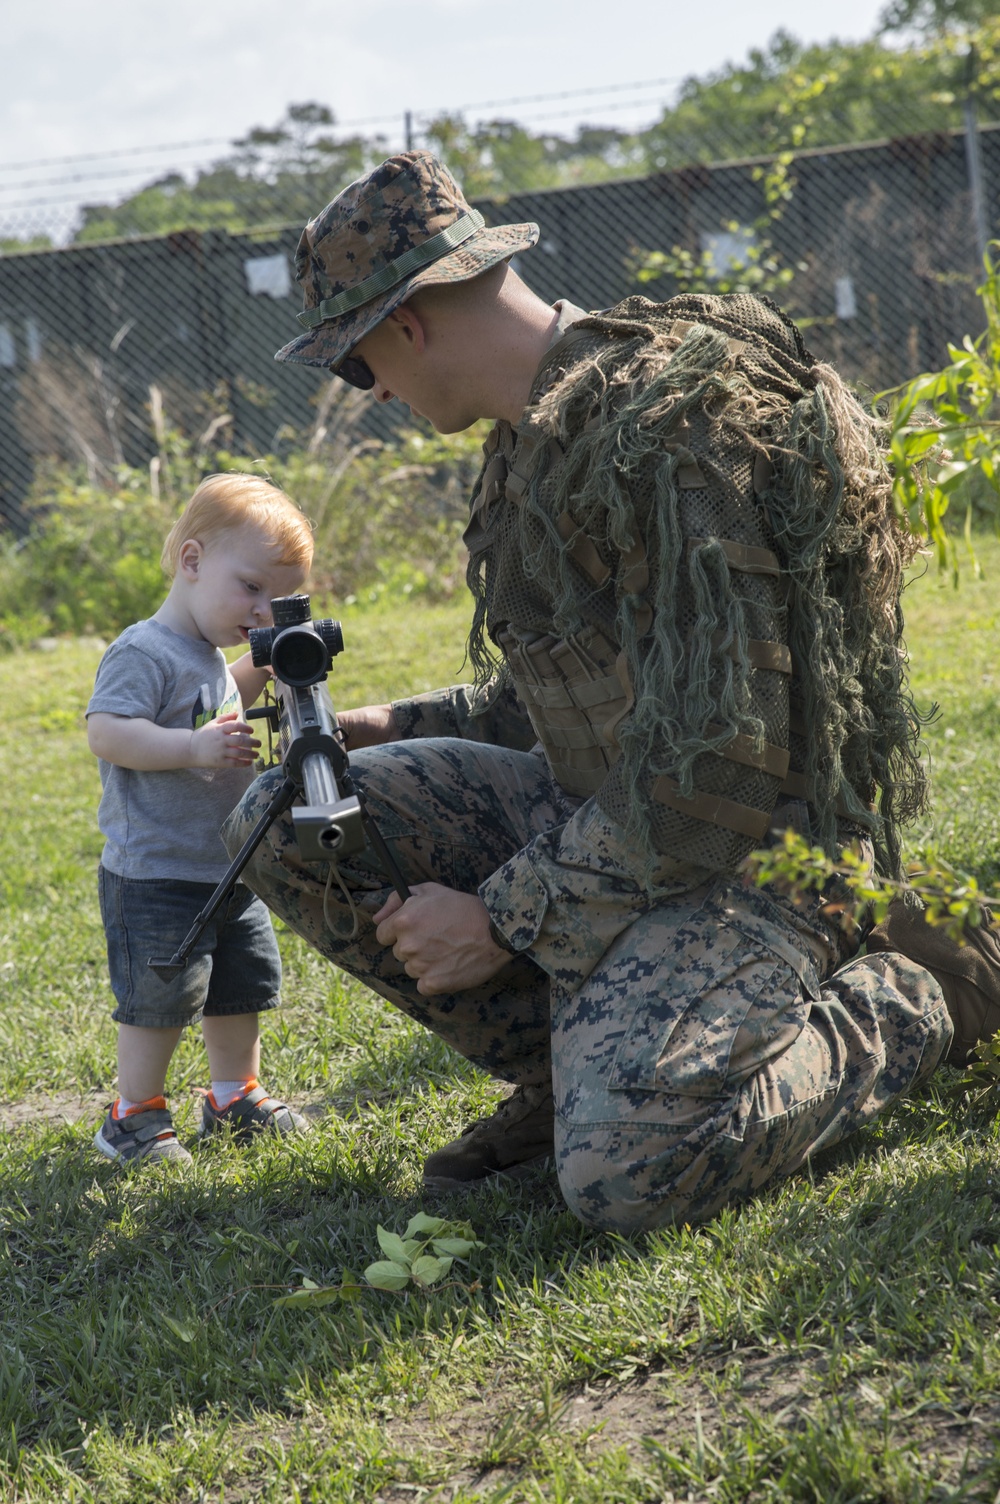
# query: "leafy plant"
{"points": [[756, 268], [950, 898], [388, 519], [424, 1254], [944, 433], [983, 1073]]}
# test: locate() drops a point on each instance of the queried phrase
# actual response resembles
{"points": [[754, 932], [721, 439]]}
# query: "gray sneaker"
{"points": [[246, 1116], [513, 1139], [140, 1136]]}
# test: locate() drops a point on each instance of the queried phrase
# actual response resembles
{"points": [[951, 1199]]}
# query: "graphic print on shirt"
{"points": [[203, 711]]}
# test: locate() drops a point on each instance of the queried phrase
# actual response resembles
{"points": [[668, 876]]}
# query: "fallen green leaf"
{"points": [[386, 1274], [393, 1246], [427, 1270]]}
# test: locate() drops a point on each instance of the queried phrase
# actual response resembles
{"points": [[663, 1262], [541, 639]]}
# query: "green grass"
{"points": [[835, 1340]]}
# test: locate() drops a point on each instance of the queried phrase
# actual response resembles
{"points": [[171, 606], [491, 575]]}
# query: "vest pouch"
{"points": [[571, 690]]}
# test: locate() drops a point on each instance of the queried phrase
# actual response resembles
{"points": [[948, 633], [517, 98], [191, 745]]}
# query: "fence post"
{"points": [[974, 164]]}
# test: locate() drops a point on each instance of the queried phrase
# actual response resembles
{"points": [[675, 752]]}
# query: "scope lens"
{"points": [[299, 657]]}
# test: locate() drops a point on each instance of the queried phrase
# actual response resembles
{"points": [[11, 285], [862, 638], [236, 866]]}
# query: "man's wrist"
{"points": [[500, 939]]}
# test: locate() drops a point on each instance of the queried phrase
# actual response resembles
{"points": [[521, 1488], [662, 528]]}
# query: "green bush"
{"points": [[385, 515], [91, 563], [388, 518]]}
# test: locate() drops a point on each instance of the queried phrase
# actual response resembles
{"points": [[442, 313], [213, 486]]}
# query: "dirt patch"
{"points": [[55, 1107], [671, 1409], [488, 1443]]}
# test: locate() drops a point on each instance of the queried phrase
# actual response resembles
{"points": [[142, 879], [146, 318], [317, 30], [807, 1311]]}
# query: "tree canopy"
{"points": [[783, 97]]}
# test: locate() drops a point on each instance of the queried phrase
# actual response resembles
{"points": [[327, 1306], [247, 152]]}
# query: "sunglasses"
{"points": [[354, 370]]}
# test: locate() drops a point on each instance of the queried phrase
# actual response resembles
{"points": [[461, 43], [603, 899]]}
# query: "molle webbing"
{"points": [[582, 549], [713, 809], [742, 557], [758, 652], [769, 757], [680, 328]]}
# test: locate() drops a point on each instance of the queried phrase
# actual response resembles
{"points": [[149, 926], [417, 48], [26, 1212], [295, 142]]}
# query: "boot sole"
{"points": [[129, 1160]]}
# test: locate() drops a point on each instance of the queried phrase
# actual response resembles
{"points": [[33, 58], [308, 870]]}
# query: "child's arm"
{"points": [[132, 742], [250, 681]]}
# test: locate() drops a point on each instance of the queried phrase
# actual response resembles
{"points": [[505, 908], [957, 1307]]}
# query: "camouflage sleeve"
{"points": [[466, 712], [567, 896]]}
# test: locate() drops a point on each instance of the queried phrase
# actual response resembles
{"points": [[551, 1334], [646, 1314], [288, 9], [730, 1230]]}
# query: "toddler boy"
{"points": [[176, 755]]}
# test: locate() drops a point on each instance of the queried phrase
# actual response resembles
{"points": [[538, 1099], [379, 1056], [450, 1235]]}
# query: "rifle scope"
{"points": [[299, 650]]}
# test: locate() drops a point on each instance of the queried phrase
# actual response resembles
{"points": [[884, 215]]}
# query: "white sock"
{"points": [[124, 1105], [225, 1092]]}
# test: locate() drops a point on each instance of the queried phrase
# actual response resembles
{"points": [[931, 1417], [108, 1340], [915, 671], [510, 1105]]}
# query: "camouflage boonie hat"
{"points": [[406, 225]]}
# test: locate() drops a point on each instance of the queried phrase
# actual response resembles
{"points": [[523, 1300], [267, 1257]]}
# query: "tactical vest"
{"points": [[704, 792]]}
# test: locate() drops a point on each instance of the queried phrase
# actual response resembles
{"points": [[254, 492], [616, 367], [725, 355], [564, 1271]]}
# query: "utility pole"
{"points": [[408, 130]]}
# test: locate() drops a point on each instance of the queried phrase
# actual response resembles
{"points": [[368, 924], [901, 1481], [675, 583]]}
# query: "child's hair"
{"points": [[235, 499]]}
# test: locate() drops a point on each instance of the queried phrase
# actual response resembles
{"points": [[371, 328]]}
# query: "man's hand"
{"points": [[226, 742], [442, 938], [368, 726]]}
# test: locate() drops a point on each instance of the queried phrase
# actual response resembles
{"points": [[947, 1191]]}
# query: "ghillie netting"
{"points": [[639, 405]]}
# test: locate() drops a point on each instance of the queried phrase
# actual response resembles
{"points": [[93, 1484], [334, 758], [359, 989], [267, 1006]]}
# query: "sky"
{"points": [[116, 76]]}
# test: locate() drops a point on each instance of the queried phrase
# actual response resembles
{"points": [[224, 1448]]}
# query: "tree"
{"points": [[13, 243], [783, 98], [273, 175], [935, 18], [944, 432], [498, 156], [787, 96]]}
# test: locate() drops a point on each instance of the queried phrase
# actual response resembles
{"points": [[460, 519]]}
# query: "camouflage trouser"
{"points": [[707, 1053]]}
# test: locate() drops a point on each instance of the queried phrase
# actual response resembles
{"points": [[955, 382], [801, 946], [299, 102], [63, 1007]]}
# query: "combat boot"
{"points": [[519, 1134], [968, 972]]}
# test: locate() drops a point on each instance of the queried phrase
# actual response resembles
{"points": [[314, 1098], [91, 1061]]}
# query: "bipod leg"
{"points": [[281, 799], [378, 844]]}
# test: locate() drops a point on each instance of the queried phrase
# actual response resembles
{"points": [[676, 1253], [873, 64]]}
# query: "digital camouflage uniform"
{"points": [[648, 709]]}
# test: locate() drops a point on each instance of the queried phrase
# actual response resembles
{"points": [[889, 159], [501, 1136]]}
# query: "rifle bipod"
{"points": [[281, 799]]}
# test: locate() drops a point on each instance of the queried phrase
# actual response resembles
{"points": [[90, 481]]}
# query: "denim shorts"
{"points": [[234, 967]]}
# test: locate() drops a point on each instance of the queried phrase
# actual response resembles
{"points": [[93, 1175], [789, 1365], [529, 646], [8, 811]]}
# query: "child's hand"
{"points": [[225, 742]]}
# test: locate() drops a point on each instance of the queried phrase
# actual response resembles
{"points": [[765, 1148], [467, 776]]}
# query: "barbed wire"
{"points": [[488, 104], [606, 109], [396, 115], [116, 174], [76, 177], [94, 186], [118, 151]]}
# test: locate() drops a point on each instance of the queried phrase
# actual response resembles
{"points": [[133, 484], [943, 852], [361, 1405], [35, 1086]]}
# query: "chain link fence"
{"points": [[875, 248]]}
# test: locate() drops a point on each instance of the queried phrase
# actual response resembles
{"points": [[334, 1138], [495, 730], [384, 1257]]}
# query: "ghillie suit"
{"points": [[687, 557]]}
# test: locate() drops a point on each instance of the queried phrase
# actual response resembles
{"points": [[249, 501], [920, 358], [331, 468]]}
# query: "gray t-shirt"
{"points": [[166, 824]]}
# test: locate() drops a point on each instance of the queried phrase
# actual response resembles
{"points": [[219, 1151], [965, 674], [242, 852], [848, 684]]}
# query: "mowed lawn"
{"points": [[835, 1340]]}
